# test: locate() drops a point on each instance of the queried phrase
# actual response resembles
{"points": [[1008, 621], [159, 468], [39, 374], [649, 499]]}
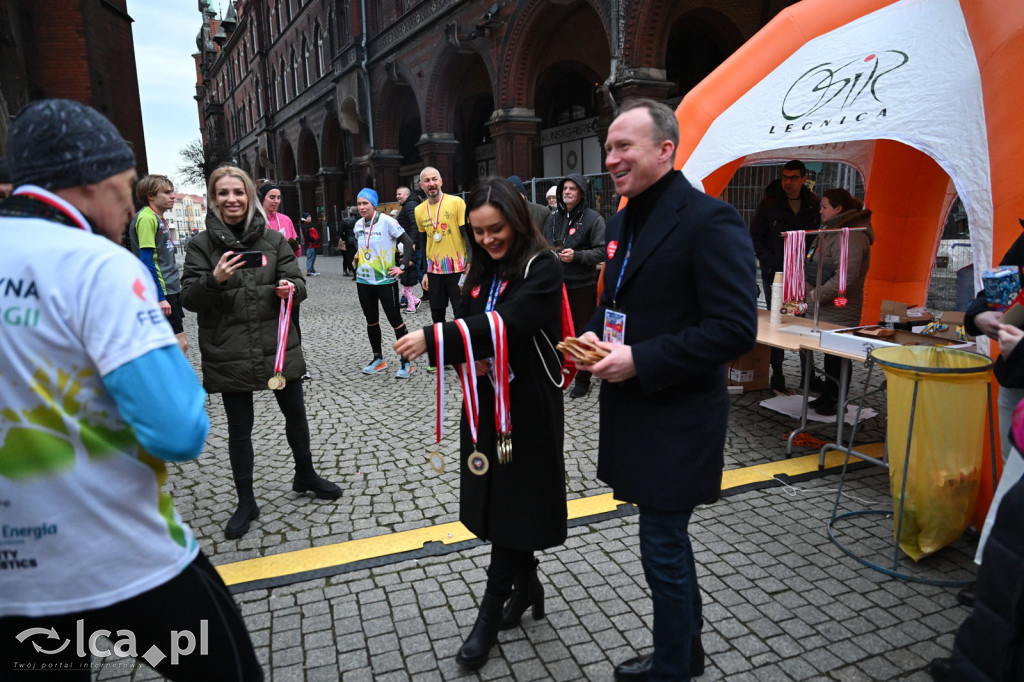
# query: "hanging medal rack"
{"points": [[817, 279]]}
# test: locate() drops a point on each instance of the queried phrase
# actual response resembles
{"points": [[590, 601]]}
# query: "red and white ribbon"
{"points": [[283, 322], [793, 266], [439, 348], [844, 264], [499, 338], [467, 373]]}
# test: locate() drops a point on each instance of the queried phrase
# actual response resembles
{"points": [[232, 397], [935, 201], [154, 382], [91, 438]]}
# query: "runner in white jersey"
{"points": [[377, 235], [88, 541]]}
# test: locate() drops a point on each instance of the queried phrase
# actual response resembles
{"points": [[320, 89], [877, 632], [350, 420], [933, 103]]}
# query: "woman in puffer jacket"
{"points": [[237, 307]]}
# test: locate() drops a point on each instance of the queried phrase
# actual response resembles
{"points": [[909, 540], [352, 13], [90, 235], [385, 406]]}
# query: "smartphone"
{"points": [[251, 259]]}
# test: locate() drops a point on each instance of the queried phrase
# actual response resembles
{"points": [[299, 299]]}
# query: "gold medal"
{"points": [[437, 236], [478, 463], [276, 382], [366, 256], [437, 462]]}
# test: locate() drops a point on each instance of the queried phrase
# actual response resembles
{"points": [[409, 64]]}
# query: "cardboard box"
{"points": [[861, 340], [751, 370], [898, 315], [952, 319]]}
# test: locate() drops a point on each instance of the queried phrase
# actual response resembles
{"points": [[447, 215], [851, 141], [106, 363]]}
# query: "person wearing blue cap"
{"points": [[376, 237]]}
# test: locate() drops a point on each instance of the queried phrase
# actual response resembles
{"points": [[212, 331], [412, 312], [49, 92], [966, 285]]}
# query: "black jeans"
{"points": [[667, 558], [195, 603], [238, 407]]}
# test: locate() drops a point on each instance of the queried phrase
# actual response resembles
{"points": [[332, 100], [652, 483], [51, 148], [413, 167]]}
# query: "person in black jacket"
{"points": [[347, 243], [518, 504], [788, 205], [989, 644], [577, 233], [407, 220], [664, 404], [980, 320]]}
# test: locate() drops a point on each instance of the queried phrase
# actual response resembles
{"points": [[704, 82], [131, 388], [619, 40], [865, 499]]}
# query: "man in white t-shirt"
{"points": [[89, 540]]}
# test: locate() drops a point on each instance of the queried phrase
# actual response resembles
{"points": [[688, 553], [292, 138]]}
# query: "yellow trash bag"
{"points": [[945, 446]]}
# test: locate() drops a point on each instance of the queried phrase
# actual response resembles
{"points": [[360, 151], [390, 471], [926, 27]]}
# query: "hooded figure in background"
{"points": [[577, 233]]}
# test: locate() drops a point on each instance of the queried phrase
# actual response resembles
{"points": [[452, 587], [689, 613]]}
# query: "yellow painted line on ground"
{"points": [[339, 554]]}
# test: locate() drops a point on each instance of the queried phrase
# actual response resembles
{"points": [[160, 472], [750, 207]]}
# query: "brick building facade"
{"points": [[79, 50], [299, 91]]}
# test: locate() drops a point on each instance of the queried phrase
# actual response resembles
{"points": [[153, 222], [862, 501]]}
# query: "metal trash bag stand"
{"points": [[894, 572]]}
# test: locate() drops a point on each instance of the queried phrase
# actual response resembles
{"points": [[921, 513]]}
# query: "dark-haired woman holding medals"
{"points": [[512, 474]]}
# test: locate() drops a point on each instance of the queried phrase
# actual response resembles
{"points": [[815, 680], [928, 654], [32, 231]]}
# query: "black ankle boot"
{"points": [[238, 524], [312, 482], [526, 591], [477, 647]]}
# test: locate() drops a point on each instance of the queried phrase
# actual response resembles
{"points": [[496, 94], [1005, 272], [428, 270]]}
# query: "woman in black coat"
{"points": [[518, 505], [237, 309]]}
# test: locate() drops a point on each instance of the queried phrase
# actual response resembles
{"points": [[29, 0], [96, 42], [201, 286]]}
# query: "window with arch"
{"points": [[295, 72], [277, 4], [305, 61], [284, 81], [318, 45]]}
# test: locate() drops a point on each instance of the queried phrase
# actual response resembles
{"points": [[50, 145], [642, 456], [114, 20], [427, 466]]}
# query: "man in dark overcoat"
{"points": [[664, 406]]}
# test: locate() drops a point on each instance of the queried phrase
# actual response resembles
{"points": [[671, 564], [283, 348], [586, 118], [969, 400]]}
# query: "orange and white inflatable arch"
{"points": [[922, 96]]}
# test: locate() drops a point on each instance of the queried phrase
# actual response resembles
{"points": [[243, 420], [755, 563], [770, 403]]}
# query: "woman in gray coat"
{"points": [[839, 209], [237, 307]]}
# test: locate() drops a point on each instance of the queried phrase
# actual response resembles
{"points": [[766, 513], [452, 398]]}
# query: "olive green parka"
{"points": [[238, 320]]}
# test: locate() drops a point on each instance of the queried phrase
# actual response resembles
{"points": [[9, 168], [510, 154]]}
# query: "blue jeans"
{"points": [[310, 259], [667, 558]]}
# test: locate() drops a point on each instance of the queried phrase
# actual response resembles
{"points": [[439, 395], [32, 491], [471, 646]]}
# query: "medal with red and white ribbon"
{"points": [[844, 264], [793, 273], [276, 382], [436, 460], [477, 461], [502, 378]]}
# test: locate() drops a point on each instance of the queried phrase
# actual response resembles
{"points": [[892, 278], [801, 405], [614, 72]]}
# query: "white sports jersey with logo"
{"points": [[78, 494]]}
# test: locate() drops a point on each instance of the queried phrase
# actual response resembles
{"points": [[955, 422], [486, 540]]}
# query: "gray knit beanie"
{"points": [[57, 143]]}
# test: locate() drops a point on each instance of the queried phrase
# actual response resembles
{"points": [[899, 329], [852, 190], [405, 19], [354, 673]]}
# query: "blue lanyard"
{"points": [[492, 298], [615, 294]]}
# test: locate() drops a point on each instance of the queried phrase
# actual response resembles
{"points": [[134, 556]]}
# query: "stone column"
{"points": [[642, 82], [307, 193], [514, 132], [386, 163], [439, 150], [331, 187]]}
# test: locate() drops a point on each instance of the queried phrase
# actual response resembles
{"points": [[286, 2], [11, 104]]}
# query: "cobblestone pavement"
{"points": [[781, 602]]}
